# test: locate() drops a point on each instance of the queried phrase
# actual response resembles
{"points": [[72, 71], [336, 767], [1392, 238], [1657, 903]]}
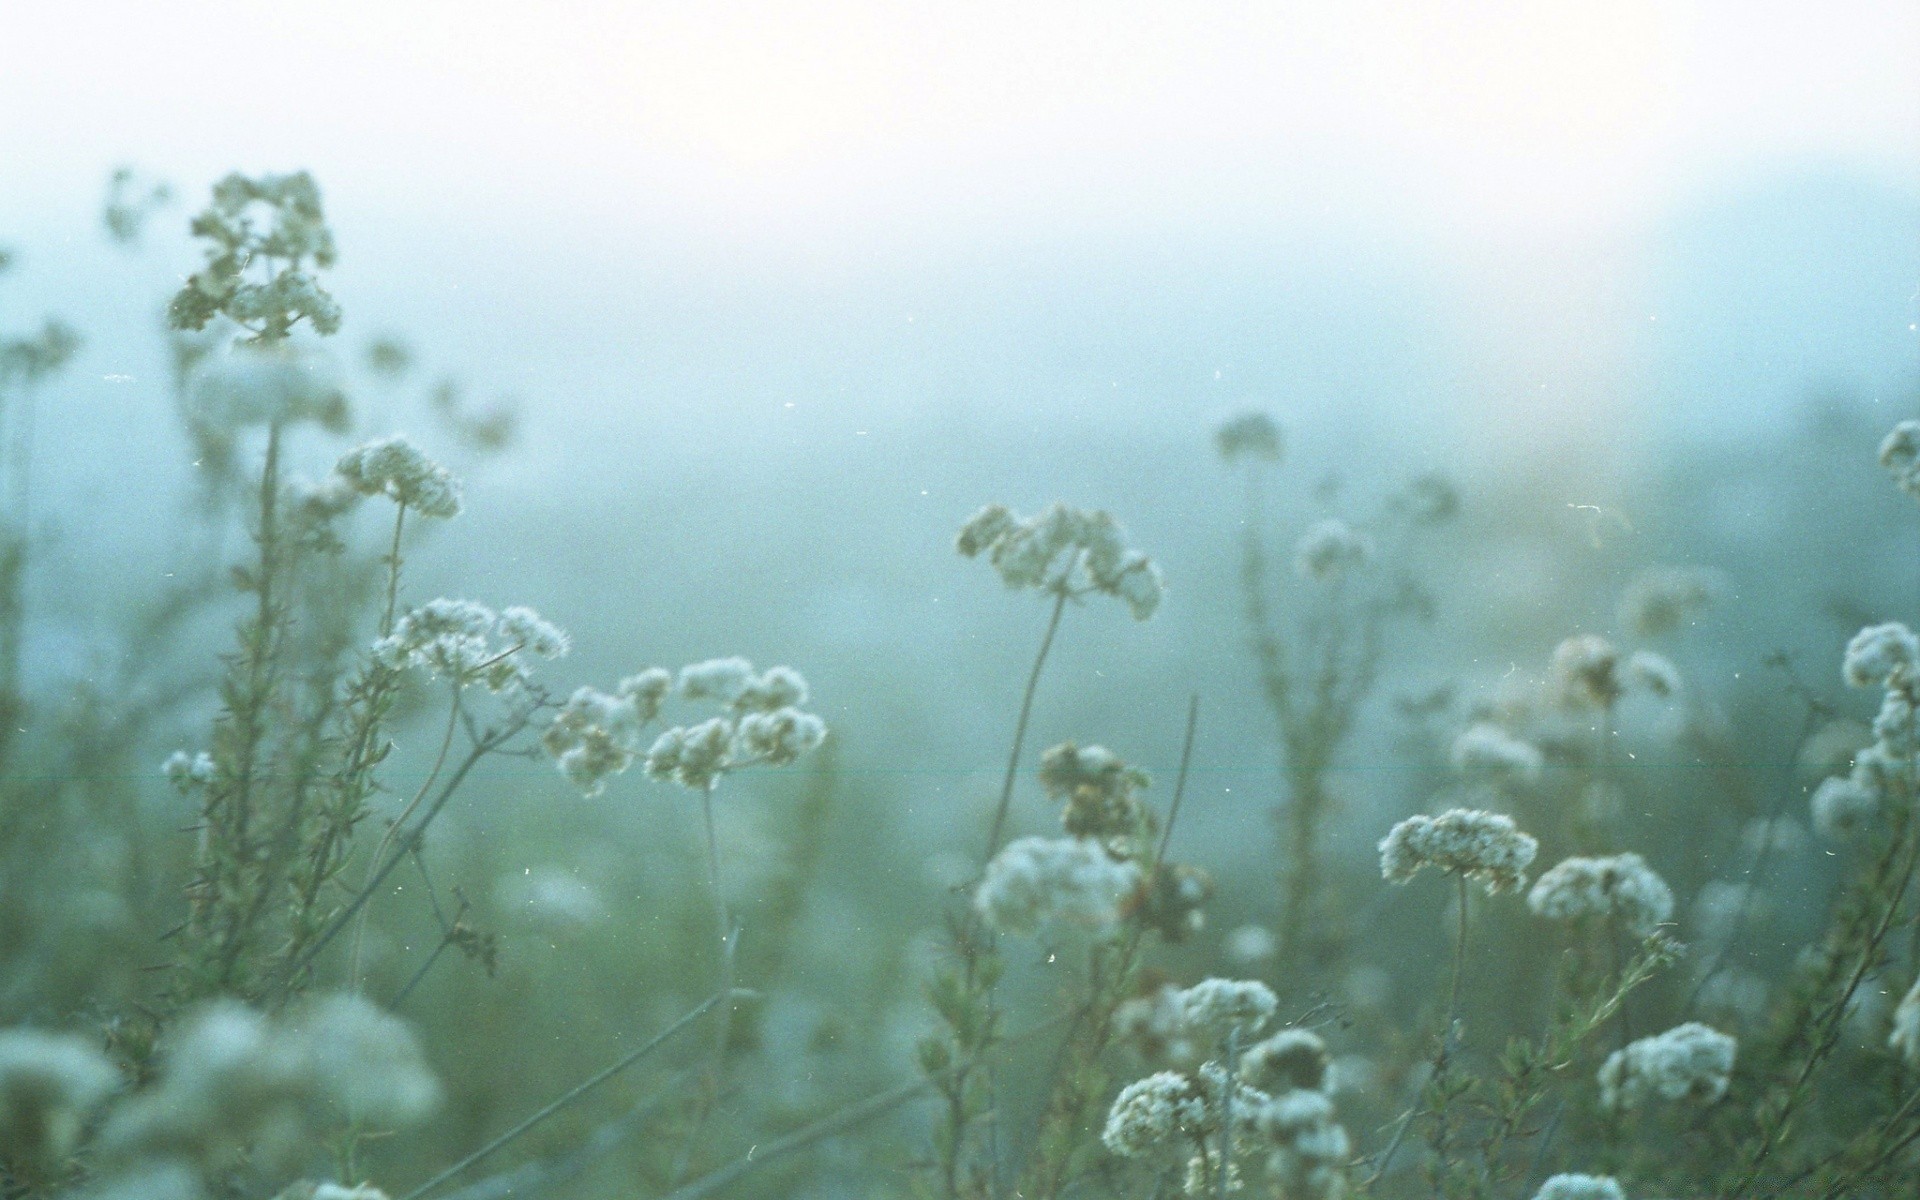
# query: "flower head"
{"points": [[1691, 1062], [1034, 882], [1064, 549], [395, 468], [1621, 887], [1482, 846]]}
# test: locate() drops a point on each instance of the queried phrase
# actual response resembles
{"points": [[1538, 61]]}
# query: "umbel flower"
{"points": [[1691, 1062], [1035, 883], [1885, 656], [273, 221], [761, 724], [1484, 847], [1620, 887], [1066, 551], [470, 643], [393, 467]]}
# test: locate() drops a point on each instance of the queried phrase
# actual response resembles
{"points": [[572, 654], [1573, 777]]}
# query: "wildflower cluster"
{"points": [[1485, 749], [1621, 888], [1886, 656], [596, 735], [1900, 454], [469, 643], [235, 1082], [1282, 1118], [1101, 794], [1035, 883], [1691, 1062], [393, 467], [1064, 550], [762, 722], [274, 221], [1481, 846]]}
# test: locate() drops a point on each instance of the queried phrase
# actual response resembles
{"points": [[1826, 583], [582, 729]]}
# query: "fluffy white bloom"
{"points": [[1064, 548], [188, 771], [1621, 887], [1250, 944], [780, 736], [1309, 1148], [395, 468], [1485, 748], [1905, 1039], [1037, 881], [1580, 1187], [1653, 673], [777, 688], [1585, 670], [692, 756], [1330, 549], [1842, 806], [523, 627], [469, 643], [365, 1066], [1661, 599], [1688, 1062], [1880, 654], [722, 679], [1900, 454], [1482, 846], [1251, 435], [595, 736], [1152, 1024], [1292, 1058], [1152, 1114], [1213, 1008], [49, 1084]]}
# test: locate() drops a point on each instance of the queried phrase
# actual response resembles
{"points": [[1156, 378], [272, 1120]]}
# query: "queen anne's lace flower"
{"points": [[1880, 654], [1900, 454], [1063, 548], [395, 468], [469, 643], [1150, 1115], [1486, 749], [1036, 881], [1482, 846], [1691, 1062], [1620, 887], [1213, 1008]]}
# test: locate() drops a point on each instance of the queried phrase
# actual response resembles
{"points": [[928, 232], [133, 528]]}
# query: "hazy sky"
{"points": [[798, 118]]}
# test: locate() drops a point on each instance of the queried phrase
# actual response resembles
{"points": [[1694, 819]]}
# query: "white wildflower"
{"points": [[1292, 1058], [1309, 1148], [1153, 1025], [1900, 454], [1482, 846], [781, 736], [1250, 944], [721, 679], [188, 771], [1653, 674], [776, 688], [1620, 887], [692, 756], [1690, 1062], [1064, 549], [1580, 1187], [1905, 1039], [1880, 654], [521, 626], [1486, 749], [593, 737], [366, 1067], [395, 468], [1585, 670], [1842, 806], [1214, 1008], [1154, 1114], [1035, 882], [1330, 549], [49, 1084]]}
